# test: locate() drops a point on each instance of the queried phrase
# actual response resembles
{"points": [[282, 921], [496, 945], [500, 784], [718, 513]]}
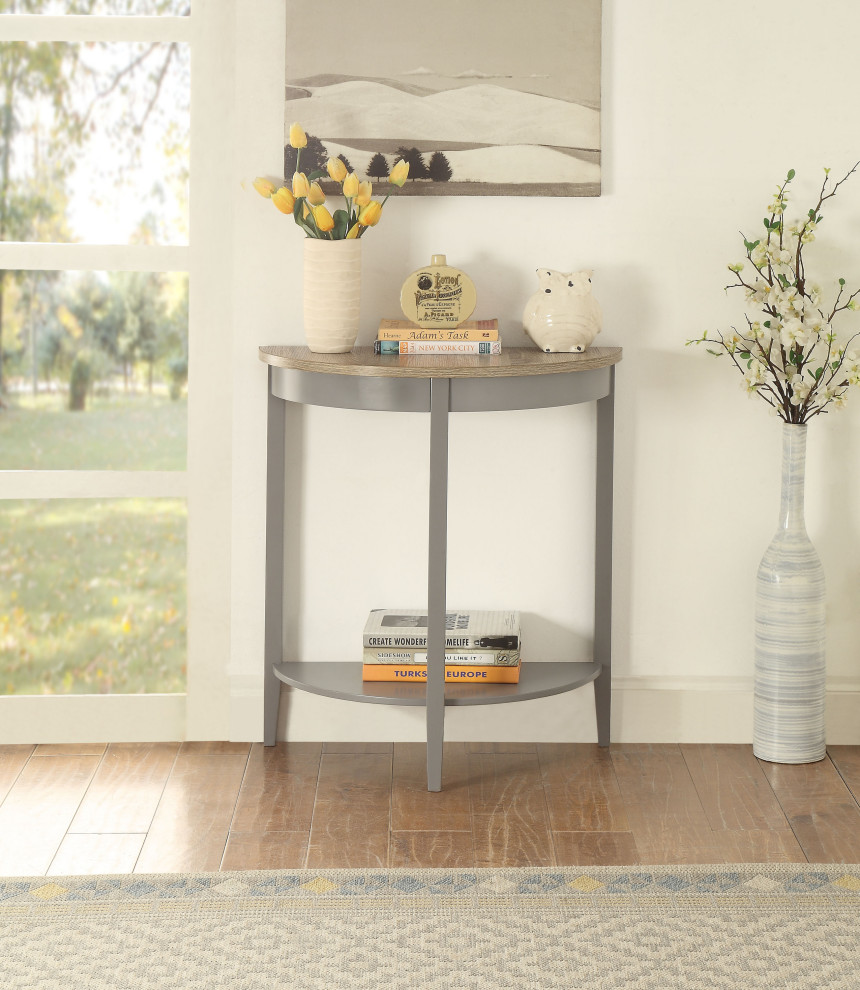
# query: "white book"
{"points": [[405, 628]]}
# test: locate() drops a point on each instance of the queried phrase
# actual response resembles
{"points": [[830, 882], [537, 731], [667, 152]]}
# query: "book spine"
{"points": [[416, 673], [389, 325], [481, 658], [437, 347], [466, 644], [460, 333]]}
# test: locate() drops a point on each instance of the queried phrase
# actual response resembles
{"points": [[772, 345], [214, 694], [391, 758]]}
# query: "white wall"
{"points": [[705, 108]]}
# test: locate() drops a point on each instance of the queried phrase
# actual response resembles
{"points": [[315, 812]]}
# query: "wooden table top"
{"points": [[513, 362]]}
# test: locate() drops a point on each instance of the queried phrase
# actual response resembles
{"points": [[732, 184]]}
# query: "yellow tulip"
{"points": [[298, 138], [350, 186], [301, 188], [353, 232], [369, 216], [264, 187], [399, 173], [284, 200], [365, 191], [323, 219], [336, 169], [315, 194]]}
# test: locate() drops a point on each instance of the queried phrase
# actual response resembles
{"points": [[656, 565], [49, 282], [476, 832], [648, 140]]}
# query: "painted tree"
{"points": [[346, 162], [415, 160], [439, 168], [378, 167]]}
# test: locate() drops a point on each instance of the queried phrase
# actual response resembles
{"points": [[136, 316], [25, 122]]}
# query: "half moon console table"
{"points": [[519, 378]]}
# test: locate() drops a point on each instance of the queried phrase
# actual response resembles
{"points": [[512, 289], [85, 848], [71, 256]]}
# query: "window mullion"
{"points": [[87, 27], [41, 484]]}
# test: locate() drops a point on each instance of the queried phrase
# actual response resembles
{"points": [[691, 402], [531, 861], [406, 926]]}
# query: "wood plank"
{"points": [[507, 781], [277, 793], [665, 814], [732, 788], [501, 747], [820, 809], [432, 849], [510, 821], [765, 846], [126, 788], [13, 759], [582, 792], [846, 759], [265, 851], [216, 748], [70, 749], [595, 848], [413, 807], [38, 810], [90, 854], [192, 821], [357, 748], [508, 840], [351, 812]]}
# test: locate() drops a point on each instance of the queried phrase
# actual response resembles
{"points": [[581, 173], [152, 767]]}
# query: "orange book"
{"points": [[417, 672]]}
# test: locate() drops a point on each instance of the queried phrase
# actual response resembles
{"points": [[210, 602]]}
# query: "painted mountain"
{"points": [[496, 141]]}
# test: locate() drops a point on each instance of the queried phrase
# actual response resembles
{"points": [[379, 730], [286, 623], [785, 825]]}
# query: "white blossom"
{"points": [[760, 332], [756, 374], [758, 255], [731, 338], [793, 333], [799, 389]]}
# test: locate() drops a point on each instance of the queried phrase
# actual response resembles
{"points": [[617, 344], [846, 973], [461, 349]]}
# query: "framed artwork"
{"points": [[486, 98]]}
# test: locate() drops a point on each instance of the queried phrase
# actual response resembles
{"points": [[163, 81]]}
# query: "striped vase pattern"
{"points": [[788, 721], [332, 294]]}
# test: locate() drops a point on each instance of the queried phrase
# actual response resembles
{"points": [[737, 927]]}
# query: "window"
{"points": [[97, 373]]}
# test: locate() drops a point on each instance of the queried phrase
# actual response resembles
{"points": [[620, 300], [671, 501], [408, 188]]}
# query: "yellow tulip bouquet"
{"points": [[306, 200]]}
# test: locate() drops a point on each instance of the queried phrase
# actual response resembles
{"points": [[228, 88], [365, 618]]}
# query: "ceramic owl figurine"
{"points": [[562, 315]]}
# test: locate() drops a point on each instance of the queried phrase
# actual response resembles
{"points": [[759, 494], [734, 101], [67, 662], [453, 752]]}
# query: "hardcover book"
{"points": [[470, 330], [481, 658], [437, 347], [405, 628], [416, 673]]}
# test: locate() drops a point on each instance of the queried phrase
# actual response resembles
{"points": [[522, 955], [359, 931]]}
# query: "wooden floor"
{"points": [[168, 807]]}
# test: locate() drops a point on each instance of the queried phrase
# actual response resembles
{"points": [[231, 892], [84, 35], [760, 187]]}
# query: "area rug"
{"points": [[756, 927]]}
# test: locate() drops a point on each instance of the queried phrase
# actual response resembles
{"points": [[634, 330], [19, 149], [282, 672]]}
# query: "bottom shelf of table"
{"points": [[343, 680]]}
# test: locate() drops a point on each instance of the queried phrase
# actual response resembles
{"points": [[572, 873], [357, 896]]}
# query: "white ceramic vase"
{"points": [[332, 294], [788, 720]]}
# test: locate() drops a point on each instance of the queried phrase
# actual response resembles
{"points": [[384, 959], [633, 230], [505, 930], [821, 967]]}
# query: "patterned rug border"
{"points": [[791, 886]]}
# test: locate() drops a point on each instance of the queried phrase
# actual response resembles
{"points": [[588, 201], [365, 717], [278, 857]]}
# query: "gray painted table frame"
{"points": [[523, 378]]}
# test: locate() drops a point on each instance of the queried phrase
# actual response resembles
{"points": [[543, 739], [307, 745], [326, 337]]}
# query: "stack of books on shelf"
{"points": [[471, 337], [480, 646]]}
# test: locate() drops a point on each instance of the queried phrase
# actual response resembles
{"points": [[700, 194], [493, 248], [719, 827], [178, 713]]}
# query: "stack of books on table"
{"points": [[471, 337], [480, 646]]}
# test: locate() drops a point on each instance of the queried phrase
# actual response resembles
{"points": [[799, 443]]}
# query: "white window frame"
{"points": [[203, 711]]}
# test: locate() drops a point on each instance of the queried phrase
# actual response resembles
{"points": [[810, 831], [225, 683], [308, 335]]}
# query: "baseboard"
{"points": [[645, 709]]}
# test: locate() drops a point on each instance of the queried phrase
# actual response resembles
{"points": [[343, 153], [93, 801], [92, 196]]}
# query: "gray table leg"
{"points": [[440, 391], [273, 651], [603, 561]]}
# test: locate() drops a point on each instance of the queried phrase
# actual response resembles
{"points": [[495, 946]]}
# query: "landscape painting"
{"points": [[486, 98]]}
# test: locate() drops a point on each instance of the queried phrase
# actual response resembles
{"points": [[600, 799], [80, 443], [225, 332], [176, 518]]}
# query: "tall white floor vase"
{"points": [[788, 722], [332, 294]]}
